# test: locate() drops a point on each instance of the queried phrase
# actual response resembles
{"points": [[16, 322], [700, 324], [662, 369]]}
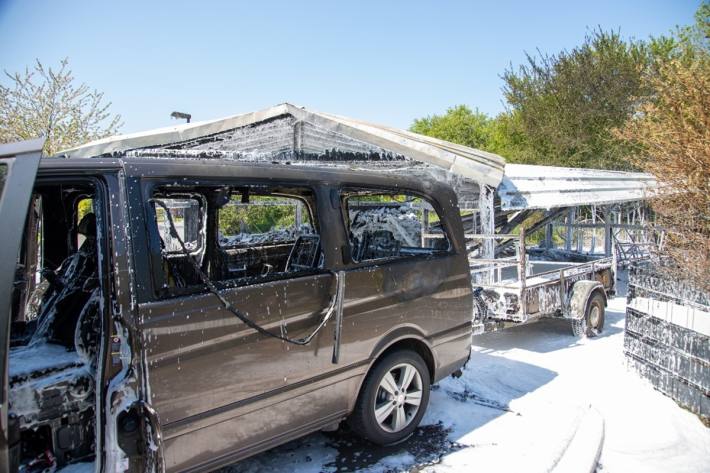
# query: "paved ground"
{"points": [[520, 401]]}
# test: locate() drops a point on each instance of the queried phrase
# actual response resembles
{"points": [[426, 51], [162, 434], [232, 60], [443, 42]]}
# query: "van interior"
{"points": [[234, 235], [55, 339]]}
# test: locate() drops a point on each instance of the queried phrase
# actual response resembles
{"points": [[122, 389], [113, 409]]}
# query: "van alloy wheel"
{"points": [[398, 397], [393, 398]]}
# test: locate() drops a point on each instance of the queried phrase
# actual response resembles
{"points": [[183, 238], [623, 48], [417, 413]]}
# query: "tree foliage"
{"points": [[567, 105], [472, 128], [264, 214], [562, 109], [48, 102], [459, 125], [670, 132]]}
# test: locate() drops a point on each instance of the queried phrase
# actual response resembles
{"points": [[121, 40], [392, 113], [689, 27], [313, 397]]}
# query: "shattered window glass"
{"points": [[84, 207], [263, 219], [186, 216], [267, 235], [383, 226]]}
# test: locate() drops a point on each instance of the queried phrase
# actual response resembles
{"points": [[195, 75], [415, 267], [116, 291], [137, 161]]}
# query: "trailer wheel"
{"points": [[393, 399], [592, 323]]}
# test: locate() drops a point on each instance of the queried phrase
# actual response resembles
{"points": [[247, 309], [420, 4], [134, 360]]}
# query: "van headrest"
{"points": [[87, 226]]}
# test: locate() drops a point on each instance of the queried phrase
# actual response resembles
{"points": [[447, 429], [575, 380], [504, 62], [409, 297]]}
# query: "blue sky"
{"points": [[383, 61]]}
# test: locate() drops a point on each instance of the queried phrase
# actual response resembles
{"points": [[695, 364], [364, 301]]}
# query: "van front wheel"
{"points": [[393, 398]]}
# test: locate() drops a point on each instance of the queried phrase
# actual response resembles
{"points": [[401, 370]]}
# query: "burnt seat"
{"points": [[71, 288]]}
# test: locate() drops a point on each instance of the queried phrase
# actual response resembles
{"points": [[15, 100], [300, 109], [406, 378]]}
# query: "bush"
{"points": [[671, 133]]}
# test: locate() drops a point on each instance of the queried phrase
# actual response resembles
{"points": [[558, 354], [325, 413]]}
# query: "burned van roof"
{"points": [[298, 134], [215, 169]]}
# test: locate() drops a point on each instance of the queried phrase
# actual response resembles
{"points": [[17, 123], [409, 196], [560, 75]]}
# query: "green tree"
{"points": [[264, 214], [567, 105], [459, 125], [48, 102], [473, 128]]}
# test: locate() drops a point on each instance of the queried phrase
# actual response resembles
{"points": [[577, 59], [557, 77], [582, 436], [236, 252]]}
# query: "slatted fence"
{"points": [[667, 337]]}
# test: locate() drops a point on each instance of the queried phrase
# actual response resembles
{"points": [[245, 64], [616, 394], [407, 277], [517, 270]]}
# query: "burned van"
{"points": [[164, 314]]}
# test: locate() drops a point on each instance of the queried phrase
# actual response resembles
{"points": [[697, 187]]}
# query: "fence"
{"points": [[667, 336]]}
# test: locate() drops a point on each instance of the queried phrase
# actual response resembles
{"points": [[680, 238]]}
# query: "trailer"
{"points": [[516, 290], [587, 224]]}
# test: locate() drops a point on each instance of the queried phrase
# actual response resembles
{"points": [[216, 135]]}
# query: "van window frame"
{"points": [[201, 242], [190, 185], [352, 190]]}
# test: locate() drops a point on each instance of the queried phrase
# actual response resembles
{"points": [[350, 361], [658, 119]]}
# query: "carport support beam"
{"points": [[608, 237], [548, 236], [488, 226], [571, 217]]}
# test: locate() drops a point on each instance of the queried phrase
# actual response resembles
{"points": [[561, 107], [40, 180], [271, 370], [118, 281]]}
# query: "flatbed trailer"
{"points": [[515, 290]]}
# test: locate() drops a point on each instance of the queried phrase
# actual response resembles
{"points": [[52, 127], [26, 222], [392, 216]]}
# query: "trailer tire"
{"points": [[364, 421], [592, 323], [579, 327]]}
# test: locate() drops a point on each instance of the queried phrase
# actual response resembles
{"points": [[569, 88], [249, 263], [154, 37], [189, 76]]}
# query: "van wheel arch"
{"points": [[414, 344]]}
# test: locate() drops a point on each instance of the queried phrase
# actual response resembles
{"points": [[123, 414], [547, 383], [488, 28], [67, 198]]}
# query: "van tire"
{"points": [[376, 394], [592, 323]]}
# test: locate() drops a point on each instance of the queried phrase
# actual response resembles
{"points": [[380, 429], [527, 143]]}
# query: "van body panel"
{"points": [[221, 391]]}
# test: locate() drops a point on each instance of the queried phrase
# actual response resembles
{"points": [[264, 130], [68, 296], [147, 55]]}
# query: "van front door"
{"points": [[18, 167]]}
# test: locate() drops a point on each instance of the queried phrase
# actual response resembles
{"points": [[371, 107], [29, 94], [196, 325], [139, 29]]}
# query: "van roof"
{"points": [[209, 169]]}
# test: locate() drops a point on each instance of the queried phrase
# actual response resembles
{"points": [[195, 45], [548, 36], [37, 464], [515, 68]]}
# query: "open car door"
{"points": [[18, 167]]}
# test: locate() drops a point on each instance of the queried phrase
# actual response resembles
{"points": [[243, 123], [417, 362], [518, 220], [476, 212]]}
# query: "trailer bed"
{"points": [[543, 291]]}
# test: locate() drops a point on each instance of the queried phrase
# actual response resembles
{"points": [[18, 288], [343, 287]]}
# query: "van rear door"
{"points": [[18, 167]]}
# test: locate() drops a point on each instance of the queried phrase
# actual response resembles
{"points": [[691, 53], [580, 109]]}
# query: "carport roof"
{"points": [[545, 187], [476, 165]]}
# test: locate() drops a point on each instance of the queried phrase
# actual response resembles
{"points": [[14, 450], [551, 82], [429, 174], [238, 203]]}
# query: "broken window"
{"points": [[186, 214], [84, 206], [384, 226], [180, 217], [238, 235], [262, 219], [266, 233]]}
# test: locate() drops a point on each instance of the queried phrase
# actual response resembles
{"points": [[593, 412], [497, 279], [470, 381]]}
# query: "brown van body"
{"points": [[215, 390]]}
